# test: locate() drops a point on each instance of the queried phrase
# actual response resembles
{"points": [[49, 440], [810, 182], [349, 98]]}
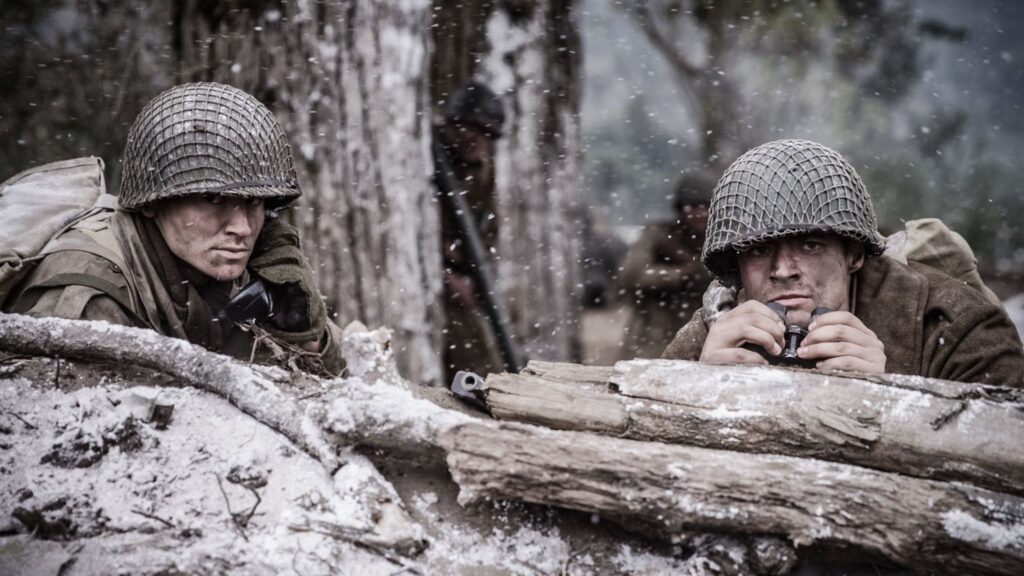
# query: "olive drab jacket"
{"points": [[664, 281], [115, 266], [931, 324]]}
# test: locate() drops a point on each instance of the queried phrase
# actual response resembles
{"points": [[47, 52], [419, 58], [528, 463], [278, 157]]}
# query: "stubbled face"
{"points": [[801, 273], [214, 234]]}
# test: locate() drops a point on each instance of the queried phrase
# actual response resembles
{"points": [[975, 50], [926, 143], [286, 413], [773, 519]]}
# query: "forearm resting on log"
{"points": [[915, 426]]}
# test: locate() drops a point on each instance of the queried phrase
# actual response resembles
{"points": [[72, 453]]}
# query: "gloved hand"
{"points": [[278, 260]]}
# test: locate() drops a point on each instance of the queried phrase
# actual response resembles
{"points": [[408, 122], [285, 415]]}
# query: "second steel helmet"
{"points": [[785, 188], [206, 138], [476, 105]]}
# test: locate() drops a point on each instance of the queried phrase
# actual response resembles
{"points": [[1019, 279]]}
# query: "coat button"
{"points": [[115, 268]]}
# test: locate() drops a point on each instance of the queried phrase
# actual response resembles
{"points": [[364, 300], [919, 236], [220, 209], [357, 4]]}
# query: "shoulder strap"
{"points": [[121, 296]]}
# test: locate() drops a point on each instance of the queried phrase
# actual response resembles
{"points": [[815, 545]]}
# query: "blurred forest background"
{"points": [[608, 103], [923, 96]]}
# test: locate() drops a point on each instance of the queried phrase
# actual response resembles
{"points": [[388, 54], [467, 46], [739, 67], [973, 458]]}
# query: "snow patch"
{"points": [[963, 526]]}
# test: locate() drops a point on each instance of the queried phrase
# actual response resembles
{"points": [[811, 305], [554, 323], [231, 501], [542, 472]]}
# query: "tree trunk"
{"points": [[533, 58], [924, 428], [674, 489], [348, 81]]}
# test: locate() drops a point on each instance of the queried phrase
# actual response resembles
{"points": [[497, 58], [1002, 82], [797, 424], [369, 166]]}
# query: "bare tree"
{"points": [[534, 58], [348, 80], [718, 52]]}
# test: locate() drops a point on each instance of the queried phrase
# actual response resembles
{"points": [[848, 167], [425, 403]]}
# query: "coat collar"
{"points": [[890, 300]]}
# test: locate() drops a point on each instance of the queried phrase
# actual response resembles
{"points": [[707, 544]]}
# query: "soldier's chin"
{"points": [[223, 271]]}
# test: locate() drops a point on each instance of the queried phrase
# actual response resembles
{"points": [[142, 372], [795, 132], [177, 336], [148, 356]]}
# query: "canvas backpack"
{"points": [[38, 205]]}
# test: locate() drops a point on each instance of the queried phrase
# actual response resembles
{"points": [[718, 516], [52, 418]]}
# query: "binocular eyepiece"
{"points": [[794, 336]]}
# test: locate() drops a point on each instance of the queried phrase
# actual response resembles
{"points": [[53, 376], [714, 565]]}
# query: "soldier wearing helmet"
{"points": [[205, 169], [791, 225], [662, 276], [472, 124]]}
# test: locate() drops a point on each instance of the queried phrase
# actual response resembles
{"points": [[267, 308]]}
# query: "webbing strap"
{"points": [[119, 295]]}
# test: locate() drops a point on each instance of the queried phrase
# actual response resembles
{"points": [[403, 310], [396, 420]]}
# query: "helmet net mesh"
{"points": [[785, 188], [206, 138]]}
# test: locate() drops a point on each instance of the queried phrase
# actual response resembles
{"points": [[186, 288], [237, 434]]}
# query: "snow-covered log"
{"points": [[915, 426], [669, 491], [675, 489]]}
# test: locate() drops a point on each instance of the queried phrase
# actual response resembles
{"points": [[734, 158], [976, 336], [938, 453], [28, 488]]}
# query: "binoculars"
{"points": [[794, 336]]}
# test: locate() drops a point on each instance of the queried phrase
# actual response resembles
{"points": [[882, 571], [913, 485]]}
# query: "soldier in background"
{"points": [[473, 118], [662, 277]]}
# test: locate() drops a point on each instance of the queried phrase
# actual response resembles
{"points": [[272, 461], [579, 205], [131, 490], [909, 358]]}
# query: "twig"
{"points": [[153, 517], [227, 504], [254, 506], [56, 377], [27, 424]]}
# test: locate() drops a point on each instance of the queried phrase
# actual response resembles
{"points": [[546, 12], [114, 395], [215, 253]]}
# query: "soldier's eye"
{"points": [[213, 198], [759, 250]]}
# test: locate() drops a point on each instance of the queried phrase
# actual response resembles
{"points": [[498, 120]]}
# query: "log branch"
{"points": [[886, 422], [676, 489]]}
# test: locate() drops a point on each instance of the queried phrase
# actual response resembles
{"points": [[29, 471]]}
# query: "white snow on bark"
{"points": [[963, 526]]}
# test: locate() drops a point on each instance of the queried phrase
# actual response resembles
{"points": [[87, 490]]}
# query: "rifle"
{"points": [[454, 202]]}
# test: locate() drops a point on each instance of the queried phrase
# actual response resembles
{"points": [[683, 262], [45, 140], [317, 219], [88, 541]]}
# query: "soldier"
{"points": [[473, 118], [792, 224], [204, 171], [663, 278]]}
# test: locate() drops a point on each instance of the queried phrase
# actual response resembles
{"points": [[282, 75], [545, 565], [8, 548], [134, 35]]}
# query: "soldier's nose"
{"points": [[238, 222]]}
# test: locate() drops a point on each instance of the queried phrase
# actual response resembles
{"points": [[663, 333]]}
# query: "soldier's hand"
{"points": [[749, 323], [840, 341]]}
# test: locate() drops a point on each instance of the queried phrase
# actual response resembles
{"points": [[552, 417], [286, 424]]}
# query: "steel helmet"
{"points": [[206, 138], [476, 105], [785, 188]]}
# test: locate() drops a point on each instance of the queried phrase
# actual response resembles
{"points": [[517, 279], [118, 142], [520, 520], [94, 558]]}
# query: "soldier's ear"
{"points": [[854, 256]]}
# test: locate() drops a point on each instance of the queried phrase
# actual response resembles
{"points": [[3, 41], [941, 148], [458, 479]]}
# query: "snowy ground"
{"points": [[89, 486]]}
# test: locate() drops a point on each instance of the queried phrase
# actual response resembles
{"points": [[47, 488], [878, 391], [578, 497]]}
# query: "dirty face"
{"points": [[801, 273], [215, 234]]}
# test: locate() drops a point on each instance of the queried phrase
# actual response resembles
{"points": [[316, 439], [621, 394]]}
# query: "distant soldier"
{"points": [[663, 278], [473, 119], [204, 171]]}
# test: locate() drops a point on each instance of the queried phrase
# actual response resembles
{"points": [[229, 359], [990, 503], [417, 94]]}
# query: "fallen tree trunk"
{"points": [[915, 426], [671, 489], [676, 489]]}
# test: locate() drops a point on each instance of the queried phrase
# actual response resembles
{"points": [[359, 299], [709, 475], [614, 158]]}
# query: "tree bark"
{"points": [[534, 58], [918, 427], [348, 81], [675, 489]]}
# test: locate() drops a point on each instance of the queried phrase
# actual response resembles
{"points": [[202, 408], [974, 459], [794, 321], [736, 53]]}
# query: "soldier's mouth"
{"points": [[232, 251], [792, 300]]}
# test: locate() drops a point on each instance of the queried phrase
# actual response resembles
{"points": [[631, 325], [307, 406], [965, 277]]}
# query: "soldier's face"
{"points": [[214, 234], [801, 273], [696, 215]]}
